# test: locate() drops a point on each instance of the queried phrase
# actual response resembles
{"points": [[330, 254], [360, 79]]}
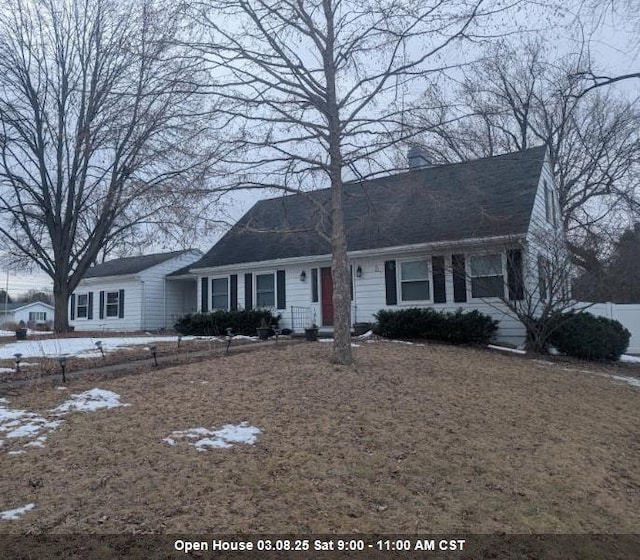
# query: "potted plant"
{"points": [[21, 331], [264, 330], [311, 332]]}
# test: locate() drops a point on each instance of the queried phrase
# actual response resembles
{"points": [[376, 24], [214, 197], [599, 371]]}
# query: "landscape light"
{"points": [[152, 349], [18, 357], [98, 344], [303, 276], [179, 340], [229, 338], [359, 272], [63, 366]]}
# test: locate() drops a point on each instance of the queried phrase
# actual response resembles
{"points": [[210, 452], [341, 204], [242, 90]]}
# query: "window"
{"points": [[113, 304], [414, 281], [543, 287], [265, 290], [487, 279], [549, 205], [38, 316], [220, 293], [82, 306]]}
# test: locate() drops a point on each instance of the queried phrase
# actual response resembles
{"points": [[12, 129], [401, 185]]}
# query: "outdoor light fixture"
{"points": [[152, 349], [18, 357], [229, 338], [359, 272], [63, 366], [98, 344], [179, 340], [303, 276]]}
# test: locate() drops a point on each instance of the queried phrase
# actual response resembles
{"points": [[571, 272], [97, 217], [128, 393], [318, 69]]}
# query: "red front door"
{"points": [[326, 297]]}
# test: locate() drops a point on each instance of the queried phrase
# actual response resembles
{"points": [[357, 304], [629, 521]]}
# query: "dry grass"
{"points": [[412, 439]]}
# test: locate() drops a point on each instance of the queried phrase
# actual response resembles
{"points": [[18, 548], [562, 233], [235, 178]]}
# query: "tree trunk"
{"points": [[61, 306]]}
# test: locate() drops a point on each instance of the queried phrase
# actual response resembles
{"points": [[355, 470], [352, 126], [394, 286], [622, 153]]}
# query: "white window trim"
{"points": [[469, 276], [228, 306], [107, 317], [275, 289], [86, 317], [42, 316], [414, 302]]}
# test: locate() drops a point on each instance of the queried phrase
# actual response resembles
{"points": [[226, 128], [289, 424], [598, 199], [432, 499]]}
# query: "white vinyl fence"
{"points": [[627, 313]]}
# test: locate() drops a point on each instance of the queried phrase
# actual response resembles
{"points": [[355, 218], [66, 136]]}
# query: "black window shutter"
{"points": [[459, 278], [121, 304], [233, 282], [73, 306], [248, 291], [204, 294], [314, 285], [351, 281], [101, 302], [514, 274], [439, 288], [90, 306], [390, 282], [280, 289]]}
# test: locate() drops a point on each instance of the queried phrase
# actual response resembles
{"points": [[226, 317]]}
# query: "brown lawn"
{"points": [[413, 439]]}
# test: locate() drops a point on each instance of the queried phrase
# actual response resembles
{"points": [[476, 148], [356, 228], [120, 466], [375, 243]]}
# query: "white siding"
{"points": [[18, 315], [132, 305], [181, 298], [144, 298]]}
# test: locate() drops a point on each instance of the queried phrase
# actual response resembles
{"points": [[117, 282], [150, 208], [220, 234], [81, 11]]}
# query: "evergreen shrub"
{"points": [[460, 327], [585, 336], [216, 323]]}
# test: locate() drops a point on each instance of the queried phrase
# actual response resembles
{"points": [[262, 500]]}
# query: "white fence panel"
{"points": [[627, 313]]}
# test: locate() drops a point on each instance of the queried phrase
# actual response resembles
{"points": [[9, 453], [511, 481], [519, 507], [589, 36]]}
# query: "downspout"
{"points": [[143, 308]]}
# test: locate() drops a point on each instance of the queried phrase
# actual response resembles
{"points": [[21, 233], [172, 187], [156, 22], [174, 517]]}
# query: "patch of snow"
{"points": [[23, 424], [366, 335], [544, 362], [244, 337], [630, 359], [505, 349], [81, 347], [325, 340], [16, 452], [403, 342], [630, 380], [13, 514], [222, 438], [94, 399], [61, 388], [355, 345], [7, 370]]}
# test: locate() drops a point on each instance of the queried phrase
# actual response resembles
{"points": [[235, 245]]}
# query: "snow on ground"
{"points": [[89, 401], [331, 340], [79, 347], [33, 428], [222, 438], [13, 514], [29, 333], [505, 349], [630, 359]]}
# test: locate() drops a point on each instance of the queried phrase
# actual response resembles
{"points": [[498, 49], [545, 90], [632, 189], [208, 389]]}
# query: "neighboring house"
{"points": [[32, 314], [132, 293], [451, 236]]}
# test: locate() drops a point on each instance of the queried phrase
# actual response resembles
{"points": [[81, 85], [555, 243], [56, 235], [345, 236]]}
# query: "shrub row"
{"points": [[216, 323], [461, 327], [585, 336]]}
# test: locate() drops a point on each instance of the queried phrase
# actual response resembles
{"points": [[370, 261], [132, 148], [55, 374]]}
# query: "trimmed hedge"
{"points": [[461, 327], [585, 336], [216, 323]]}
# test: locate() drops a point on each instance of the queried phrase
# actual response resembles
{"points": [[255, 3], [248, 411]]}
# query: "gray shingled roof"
{"points": [[481, 198], [130, 265]]}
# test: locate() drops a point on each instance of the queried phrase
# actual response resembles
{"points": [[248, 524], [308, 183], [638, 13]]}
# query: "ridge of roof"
{"points": [[132, 265]]}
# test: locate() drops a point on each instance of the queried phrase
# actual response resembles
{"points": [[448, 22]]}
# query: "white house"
{"points": [[36, 313], [452, 236], [132, 293]]}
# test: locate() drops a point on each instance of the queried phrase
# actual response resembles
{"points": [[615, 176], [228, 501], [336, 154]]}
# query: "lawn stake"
{"points": [[152, 349], [98, 343], [18, 357], [63, 366]]}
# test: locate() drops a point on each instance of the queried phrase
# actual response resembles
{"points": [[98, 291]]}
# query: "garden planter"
{"points": [[21, 334], [311, 334], [264, 333]]}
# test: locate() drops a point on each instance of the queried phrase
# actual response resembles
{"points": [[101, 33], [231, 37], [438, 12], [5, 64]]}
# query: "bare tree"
{"points": [[318, 90], [516, 98], [99, 130]]}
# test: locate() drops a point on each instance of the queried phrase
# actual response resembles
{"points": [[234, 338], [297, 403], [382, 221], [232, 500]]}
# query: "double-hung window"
{"points": [[487, 277], [37, 316], [113, 304], [414, 281], [265, 290], [82, 306], [220, 293]]}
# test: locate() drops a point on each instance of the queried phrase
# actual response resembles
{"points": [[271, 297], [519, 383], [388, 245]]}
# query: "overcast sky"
{"points": [[613, 48]]}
